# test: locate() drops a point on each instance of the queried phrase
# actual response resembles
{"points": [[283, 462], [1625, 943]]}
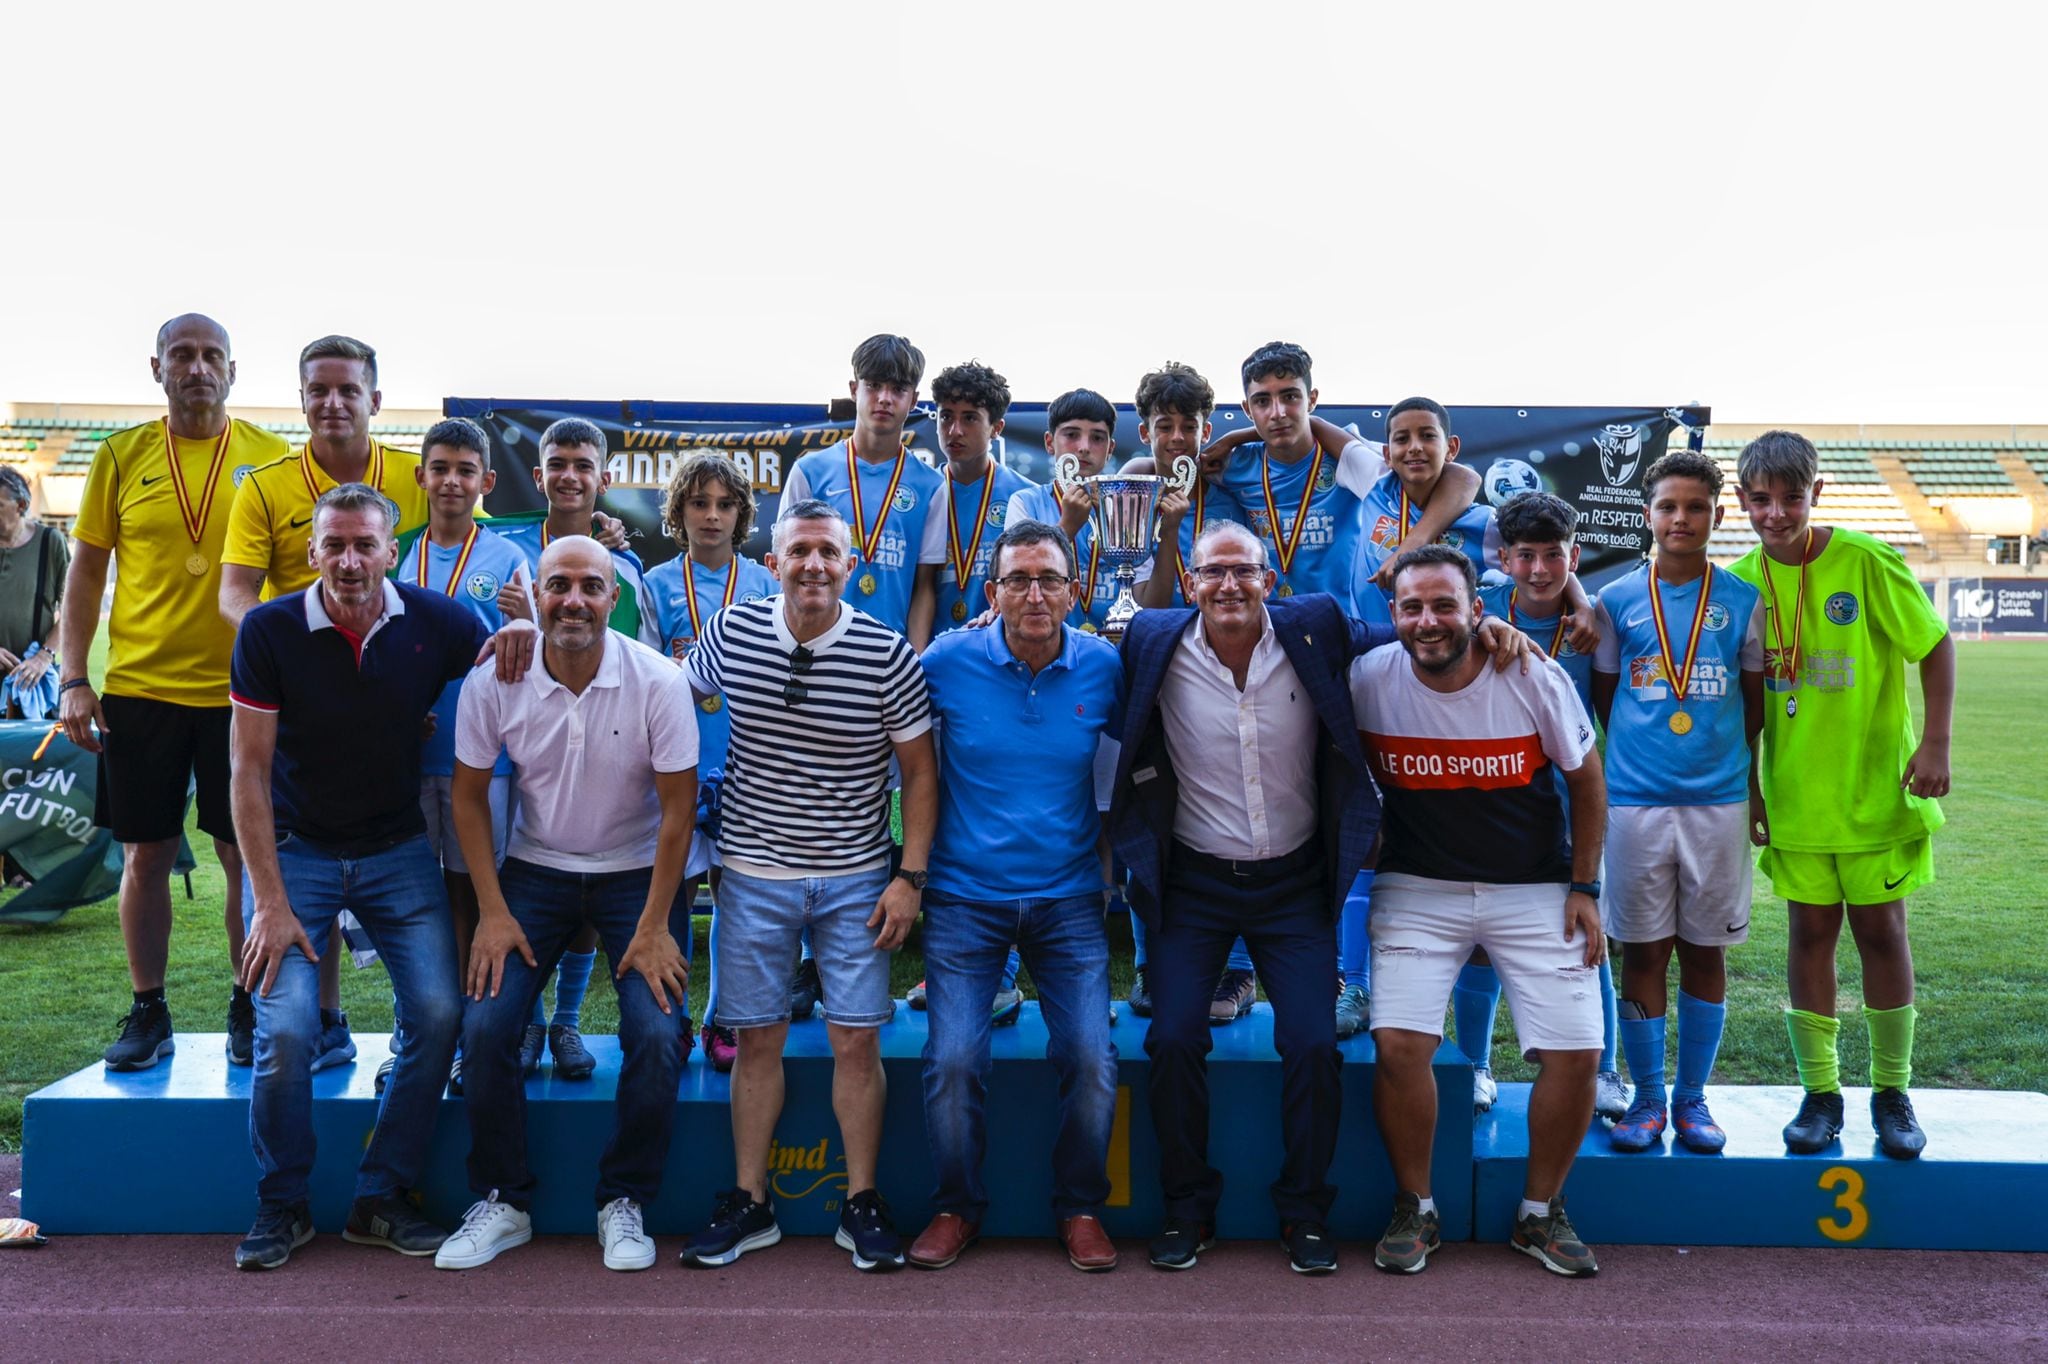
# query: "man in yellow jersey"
{"points": [[269, 536], [1849, 796], [158, 496]]}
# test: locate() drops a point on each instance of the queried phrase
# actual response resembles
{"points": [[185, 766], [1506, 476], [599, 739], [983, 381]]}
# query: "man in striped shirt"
{"points": [[821, 695]]}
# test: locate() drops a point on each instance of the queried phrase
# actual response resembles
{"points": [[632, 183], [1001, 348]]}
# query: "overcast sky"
{"points": [[1793, 212]]}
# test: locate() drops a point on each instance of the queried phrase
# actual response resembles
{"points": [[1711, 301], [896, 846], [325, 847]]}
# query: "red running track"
{"points": [[176, 1297]]}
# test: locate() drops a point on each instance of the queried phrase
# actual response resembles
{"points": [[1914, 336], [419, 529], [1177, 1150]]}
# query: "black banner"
{"points": [[1593, 457]]}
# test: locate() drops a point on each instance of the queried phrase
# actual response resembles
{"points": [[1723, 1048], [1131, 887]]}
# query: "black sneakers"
{"points": [[738, 1225], [1140, 997], [1177, 1246], [865, 1229], [280, 1229], [394, 1222], [144, 1040], [530, 1044], [241, 1028], [572, 1059], [1818, 1122], [1898, 1131], [1310, 1249]]}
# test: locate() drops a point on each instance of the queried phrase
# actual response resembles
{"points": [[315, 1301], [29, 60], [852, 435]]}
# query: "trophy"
{"points": [[1124, 520]]}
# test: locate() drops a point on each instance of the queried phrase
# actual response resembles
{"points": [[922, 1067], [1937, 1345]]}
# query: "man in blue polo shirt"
{"points": [[1033, 876], [330, 686]]}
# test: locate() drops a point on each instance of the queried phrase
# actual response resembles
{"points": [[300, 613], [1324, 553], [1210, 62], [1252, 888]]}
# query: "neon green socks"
{"points": [[1891, 1046], [1813, 1049]]}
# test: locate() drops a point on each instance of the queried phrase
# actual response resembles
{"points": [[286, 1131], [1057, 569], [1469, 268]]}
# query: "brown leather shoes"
{"points": [[942, 1241], [1088, 1245]]}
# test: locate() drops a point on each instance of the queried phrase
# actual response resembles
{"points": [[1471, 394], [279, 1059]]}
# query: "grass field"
{"points": [[1980, 938]]}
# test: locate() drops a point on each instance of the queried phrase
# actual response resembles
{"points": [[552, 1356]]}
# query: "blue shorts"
{"points": [[760, 936]]}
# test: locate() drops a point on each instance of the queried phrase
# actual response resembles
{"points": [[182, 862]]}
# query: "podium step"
{"points": [[1982, 1183], [167, 1149]]}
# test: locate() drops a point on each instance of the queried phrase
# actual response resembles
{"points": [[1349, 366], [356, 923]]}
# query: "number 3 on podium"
{"points": [[1852, 1219]]}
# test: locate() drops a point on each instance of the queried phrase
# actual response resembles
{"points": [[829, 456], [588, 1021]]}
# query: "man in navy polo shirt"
{"points": [[330, 687], [1017, 857]]}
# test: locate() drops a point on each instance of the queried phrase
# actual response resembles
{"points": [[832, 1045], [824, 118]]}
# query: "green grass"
{"points": [[1979, 939]]}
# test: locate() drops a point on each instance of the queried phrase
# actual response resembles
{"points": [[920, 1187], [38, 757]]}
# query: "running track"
{"points": [[175, 1297]]}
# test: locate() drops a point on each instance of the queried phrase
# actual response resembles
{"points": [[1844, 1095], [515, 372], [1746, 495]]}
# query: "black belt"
{"points": [[1309, 854]]}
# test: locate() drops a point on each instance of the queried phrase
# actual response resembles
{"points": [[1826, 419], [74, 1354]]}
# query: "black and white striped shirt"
{"points": [[807, 785]]}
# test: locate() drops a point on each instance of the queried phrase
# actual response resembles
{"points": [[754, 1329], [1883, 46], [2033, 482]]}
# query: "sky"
{"points": [[1792, 212]]}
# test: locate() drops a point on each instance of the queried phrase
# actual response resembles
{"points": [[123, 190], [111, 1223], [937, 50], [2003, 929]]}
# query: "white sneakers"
{"points": [[487, 1228], [491, 1227], [626, 1243]]}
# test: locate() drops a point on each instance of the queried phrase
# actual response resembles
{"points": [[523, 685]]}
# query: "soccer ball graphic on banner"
{"points": [[1508, 479]]}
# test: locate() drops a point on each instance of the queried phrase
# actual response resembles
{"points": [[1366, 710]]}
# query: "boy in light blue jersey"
{"points": [[895, 505], [973, 400], [456, 556], [708, 509], [1535, 595], [1680, 776], [571, 475], [1301, 484], [1080, 422]]}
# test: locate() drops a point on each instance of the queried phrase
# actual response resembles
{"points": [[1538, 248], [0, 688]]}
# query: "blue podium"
{"points": [[167, 1149]]}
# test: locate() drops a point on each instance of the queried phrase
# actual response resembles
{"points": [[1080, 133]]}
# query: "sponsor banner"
{"points": [[1593, 457], [1998, 606]]}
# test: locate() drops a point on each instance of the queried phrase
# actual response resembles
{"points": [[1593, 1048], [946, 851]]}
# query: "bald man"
{"points": [[158, 495], [603, 734]]}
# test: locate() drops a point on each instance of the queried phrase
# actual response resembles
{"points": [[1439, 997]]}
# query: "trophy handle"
{"points": [[1066, 468], [1185, 472]]}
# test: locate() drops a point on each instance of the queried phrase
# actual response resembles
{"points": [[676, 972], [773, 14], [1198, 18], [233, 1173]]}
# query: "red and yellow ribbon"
{"points": [[1283, 548], [732, 581], [375, 475], [1790, 663], [963, 561], [461, 559], [1680, 677], [195, 521], [1556, 635], [871, 541]]}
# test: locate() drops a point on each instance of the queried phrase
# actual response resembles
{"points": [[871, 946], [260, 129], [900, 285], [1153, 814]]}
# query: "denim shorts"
{"points": [[760, 937]]}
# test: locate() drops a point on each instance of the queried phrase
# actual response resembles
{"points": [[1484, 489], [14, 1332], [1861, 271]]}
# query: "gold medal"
{"points": [[960, 610], [1678, 672], [195, 564], [1680, 722], [195, 518], [1782, 661], [1287, 589], [711, 705], [868, 584], [1087, 627]]}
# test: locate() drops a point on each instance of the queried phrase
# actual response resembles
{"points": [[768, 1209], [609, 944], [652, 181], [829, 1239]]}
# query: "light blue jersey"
{"points": [[1092, 609], [491, 562], [959, 602], [1496, 593], [627, 617], [669, 601], [913, 523], [1647, 762], [1474, 534], [1326, 544]]}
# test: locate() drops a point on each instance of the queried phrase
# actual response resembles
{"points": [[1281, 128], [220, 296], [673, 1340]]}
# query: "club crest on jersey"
{"points": [[996, 516], [482, 586], [905, 499], [1841, 608], [1327, 479], [752, 596], [242, 471], [1717, 616]]}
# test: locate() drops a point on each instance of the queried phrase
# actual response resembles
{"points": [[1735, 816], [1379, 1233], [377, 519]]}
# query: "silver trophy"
{"points": [[1125, 521]]}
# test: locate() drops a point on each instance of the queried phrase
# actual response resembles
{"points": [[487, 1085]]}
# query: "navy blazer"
{"points": [[1320, 640]]}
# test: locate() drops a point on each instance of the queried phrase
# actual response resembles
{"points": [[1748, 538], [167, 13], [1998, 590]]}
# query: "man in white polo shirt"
{"points": [[604, 738]]}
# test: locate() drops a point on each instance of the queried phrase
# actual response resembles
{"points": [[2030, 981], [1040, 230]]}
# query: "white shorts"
{"points": [[438, 805], [1677, 871], [1423, 930]]}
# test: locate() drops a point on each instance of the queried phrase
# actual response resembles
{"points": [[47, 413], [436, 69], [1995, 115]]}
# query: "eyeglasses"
{"points": [[1020, 584], [794, 692], [1244, 575]]}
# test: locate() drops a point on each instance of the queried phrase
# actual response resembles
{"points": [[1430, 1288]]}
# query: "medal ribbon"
{"points": [[963, 564], [1284, 550], [375, 476], [732, 581], [195, 522], [869, 543], [1094, 563], [1681, 679], [461, 559], [1556, 635], [1791, 662]]}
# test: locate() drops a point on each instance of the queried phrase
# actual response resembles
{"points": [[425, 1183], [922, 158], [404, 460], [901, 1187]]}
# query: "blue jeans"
{"points": [[401, 901], [1064, 944], [550, 906]]}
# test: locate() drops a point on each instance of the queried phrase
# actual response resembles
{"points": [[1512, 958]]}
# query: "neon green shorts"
{"points": [[1853, 878]]}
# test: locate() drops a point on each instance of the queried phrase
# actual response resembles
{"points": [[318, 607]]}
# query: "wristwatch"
{"points": [[916, 878], [1587, 888]]}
